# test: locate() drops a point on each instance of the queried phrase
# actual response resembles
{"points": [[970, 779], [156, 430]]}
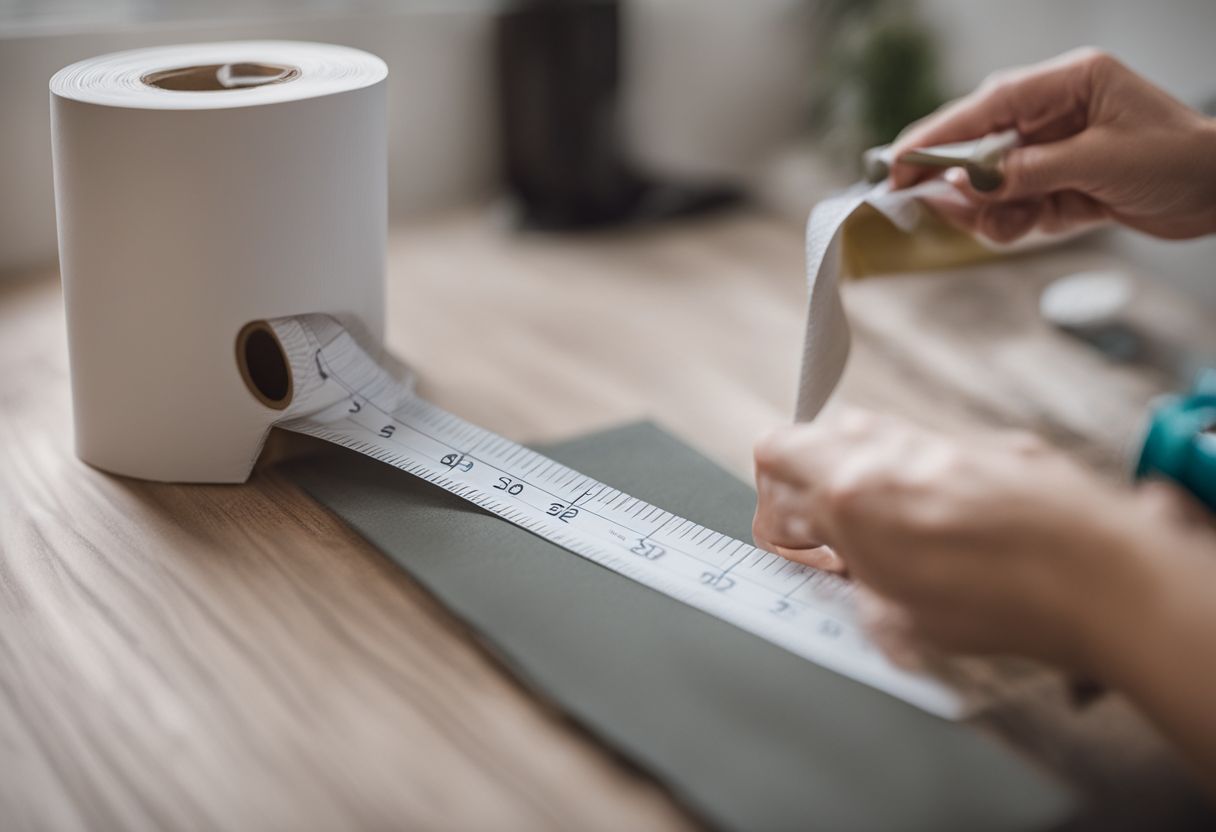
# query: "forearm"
{"points": [[1161, 649]]}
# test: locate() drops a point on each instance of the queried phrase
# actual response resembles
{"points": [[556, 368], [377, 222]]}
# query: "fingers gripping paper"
{"points": [[826, 344]]}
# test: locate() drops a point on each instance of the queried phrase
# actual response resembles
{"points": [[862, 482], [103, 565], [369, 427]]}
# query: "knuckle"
{"points": [[1092, 57], [847, 494], [921, 505], [764, 450], [1026, 444], [996, 80], [931, 520], [858, 423], [913, 481], [927, 502], [951, 463], [1097, 63], [775, 446], [844, 495]]}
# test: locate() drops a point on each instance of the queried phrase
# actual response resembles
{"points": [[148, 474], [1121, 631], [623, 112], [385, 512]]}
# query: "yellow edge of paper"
{"points": [[873, 245]]}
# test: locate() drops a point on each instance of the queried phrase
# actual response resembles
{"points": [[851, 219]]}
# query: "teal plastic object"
{"points": [[1180, 443]]}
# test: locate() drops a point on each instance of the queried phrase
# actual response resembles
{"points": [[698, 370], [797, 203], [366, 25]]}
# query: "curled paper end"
{"points": [[825, 348], [867, 230]]}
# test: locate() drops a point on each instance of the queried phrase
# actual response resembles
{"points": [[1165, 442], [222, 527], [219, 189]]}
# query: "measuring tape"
{"points": [[338, 393]]}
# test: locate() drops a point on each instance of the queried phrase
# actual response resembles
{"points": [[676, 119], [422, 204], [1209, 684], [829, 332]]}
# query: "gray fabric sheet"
{"points": [[748, 736]]}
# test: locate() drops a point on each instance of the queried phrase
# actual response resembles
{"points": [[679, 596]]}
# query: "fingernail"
{"points": [[828, 561]]}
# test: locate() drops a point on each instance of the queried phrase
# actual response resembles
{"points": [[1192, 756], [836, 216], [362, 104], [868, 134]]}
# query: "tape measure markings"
{"points": [[344, 397], [620, 501]]}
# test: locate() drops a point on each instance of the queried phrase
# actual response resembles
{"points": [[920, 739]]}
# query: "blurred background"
{"points": [[596, 113]]}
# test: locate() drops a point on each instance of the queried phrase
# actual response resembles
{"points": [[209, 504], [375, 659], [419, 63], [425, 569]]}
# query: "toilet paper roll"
{"points": [[197, 188]]}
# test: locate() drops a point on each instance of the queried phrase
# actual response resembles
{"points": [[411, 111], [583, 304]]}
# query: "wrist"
{"points": [[1142, 610], [1105, 609]]}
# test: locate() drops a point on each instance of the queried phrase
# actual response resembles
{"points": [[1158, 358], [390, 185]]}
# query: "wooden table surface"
{"points": [[232, 657]]}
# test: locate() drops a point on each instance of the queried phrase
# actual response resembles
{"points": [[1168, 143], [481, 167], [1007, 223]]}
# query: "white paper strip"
{"points": [[826, 345]]}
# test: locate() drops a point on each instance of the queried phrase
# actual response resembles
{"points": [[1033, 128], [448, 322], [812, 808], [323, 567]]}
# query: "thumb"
{"points": [[1039, 169]]}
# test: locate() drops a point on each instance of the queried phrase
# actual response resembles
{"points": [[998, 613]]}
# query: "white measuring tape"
{"points": [[342, 395]]}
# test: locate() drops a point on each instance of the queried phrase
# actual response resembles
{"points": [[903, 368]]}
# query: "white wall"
{"points": [[714, 85], [440, 110], [1172, 42]]}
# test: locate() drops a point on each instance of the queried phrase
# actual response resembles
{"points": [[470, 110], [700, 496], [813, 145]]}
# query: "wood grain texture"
{"points": [[232, 657]]}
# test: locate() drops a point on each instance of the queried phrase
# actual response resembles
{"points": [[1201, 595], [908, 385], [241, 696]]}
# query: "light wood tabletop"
{"points": [[232, 657]]}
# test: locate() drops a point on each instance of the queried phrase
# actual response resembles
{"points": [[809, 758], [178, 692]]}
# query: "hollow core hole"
{"points": [[219, 77], [263, 365]]}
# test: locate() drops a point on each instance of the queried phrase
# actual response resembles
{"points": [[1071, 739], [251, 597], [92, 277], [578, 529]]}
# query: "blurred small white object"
{"points": [[1097, 308], [1087, 300]]}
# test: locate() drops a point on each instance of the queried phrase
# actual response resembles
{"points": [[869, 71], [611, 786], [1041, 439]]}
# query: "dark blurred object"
{"points": [[879, 74], [563, 159], [897, 75]]}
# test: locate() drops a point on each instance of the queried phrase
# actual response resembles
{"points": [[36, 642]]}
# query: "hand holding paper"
{"points": [[998, 545], [1098, 142]]}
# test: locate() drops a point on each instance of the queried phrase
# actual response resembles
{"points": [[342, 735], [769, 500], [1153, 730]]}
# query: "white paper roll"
{"points": [[185, 213]]}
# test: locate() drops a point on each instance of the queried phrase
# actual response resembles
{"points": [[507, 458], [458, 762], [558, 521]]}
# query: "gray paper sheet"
{"points": [[747, 735]]}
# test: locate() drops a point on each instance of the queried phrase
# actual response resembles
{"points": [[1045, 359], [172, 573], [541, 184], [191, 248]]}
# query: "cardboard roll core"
{"points": [[220, 77], [263, 365]]}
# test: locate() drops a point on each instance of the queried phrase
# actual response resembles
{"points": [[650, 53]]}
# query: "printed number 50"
{"points": [[510, 486]]}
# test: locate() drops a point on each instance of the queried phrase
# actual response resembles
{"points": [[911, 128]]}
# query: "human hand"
{"points": [[994, 546], [1099, 142]]}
